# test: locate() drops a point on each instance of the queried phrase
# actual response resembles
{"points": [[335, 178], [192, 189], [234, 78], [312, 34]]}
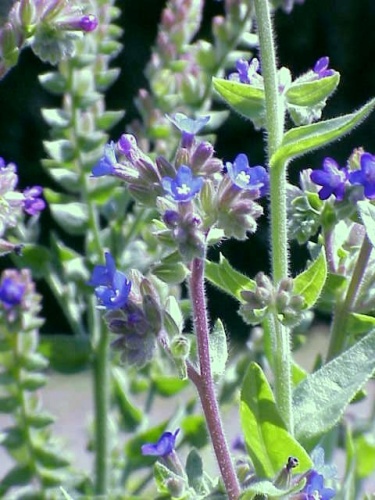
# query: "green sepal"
{"points": [[108, 119], [225, 277], [268, 442], [106, 78], [300, 140], [54, 82], [321, 398], [163, 475], [309, 284], [56, 117], [311, 93], [245, 99], [60, 150]]}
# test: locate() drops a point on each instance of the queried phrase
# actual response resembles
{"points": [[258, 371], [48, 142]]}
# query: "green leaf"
{"points": [[367, 213], [224, 276], [164, 476], [365, 455], [194, 430], [301, 140], [310, 283], [8, 404], [39, 420], [169, 386], [54, 82], [320, 399], [49, 458], [19, 475], [33, 361], [105, 79], [334, 285], [311, 93], [246, 100], [72, 217], [88, 143], [268, 442], [13, 438], [359, 323], [66, 353], [33, 381], [131, 415], [34, 257], [194, 471], [218, 349], [262, 488]]}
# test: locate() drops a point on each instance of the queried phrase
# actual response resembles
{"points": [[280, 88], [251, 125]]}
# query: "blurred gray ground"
{"points": [[69, 398]]}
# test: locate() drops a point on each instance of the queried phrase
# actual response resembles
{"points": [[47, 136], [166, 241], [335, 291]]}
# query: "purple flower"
{"points": [[163, 447], [321, 68], [184, 186], [11, 292], [188, 125], [112, 287], [332, 179], [314, 488], [365, 175], [88, 23], [32, 203], [249, 178], [106, 164]]}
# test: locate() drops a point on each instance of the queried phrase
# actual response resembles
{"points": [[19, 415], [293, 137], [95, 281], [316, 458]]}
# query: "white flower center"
{"points": [[243, 177], [183, 189]]}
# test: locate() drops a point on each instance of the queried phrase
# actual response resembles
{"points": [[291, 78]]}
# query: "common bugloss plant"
{"points": [[147, 208]]}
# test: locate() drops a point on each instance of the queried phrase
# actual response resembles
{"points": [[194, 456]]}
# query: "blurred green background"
{"points": [[341, 29]]}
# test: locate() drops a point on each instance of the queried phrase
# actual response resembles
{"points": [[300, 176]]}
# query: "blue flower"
{"points": [[247, 72], [332, 179], [163, 447], [33, 204], [112, 287], [365, 175], [11, 292], [314, 488], [249, 178], [321, 68], [184, 186], [188, 125], [106, 164]]}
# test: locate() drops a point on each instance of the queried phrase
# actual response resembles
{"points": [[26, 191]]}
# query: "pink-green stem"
{"points": [[205, 384]]}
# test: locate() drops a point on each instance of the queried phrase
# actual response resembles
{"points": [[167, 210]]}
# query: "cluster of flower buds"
{"points": [[50, 27], [133, 310], [194, 194], [14, 202], [19, 304], [265, 299]]}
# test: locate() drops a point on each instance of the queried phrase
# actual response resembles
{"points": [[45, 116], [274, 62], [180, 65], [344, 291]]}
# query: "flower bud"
{"points": [[180, 347], [8, 45], [27, 13]]}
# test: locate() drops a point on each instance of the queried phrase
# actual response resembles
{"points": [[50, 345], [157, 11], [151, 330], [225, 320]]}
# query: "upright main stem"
{"points": [[205, 384], [275, 113]]}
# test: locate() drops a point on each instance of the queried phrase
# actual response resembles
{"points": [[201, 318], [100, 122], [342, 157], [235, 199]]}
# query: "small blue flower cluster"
{"points": [[335, 180]]}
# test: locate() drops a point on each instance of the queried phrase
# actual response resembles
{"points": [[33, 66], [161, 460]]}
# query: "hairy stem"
{"points": [[205, 384], [275, 114]]}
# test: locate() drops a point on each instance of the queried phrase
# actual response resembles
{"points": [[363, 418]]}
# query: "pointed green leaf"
{"points": [[35, 257], [224, 276], [248, 101], [310, 283], [169, 386], [72, 217], [268, 442], [311, 93], [39, 420], [54, 82], [56, 117], [320, 399], [367, 213], [49, 458], [218, 349], [194, 471], [105, 79], [8, 404], [19, 475], [301, 140], [60, 150], [33, 381], [359, 324], [108, 119]]}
